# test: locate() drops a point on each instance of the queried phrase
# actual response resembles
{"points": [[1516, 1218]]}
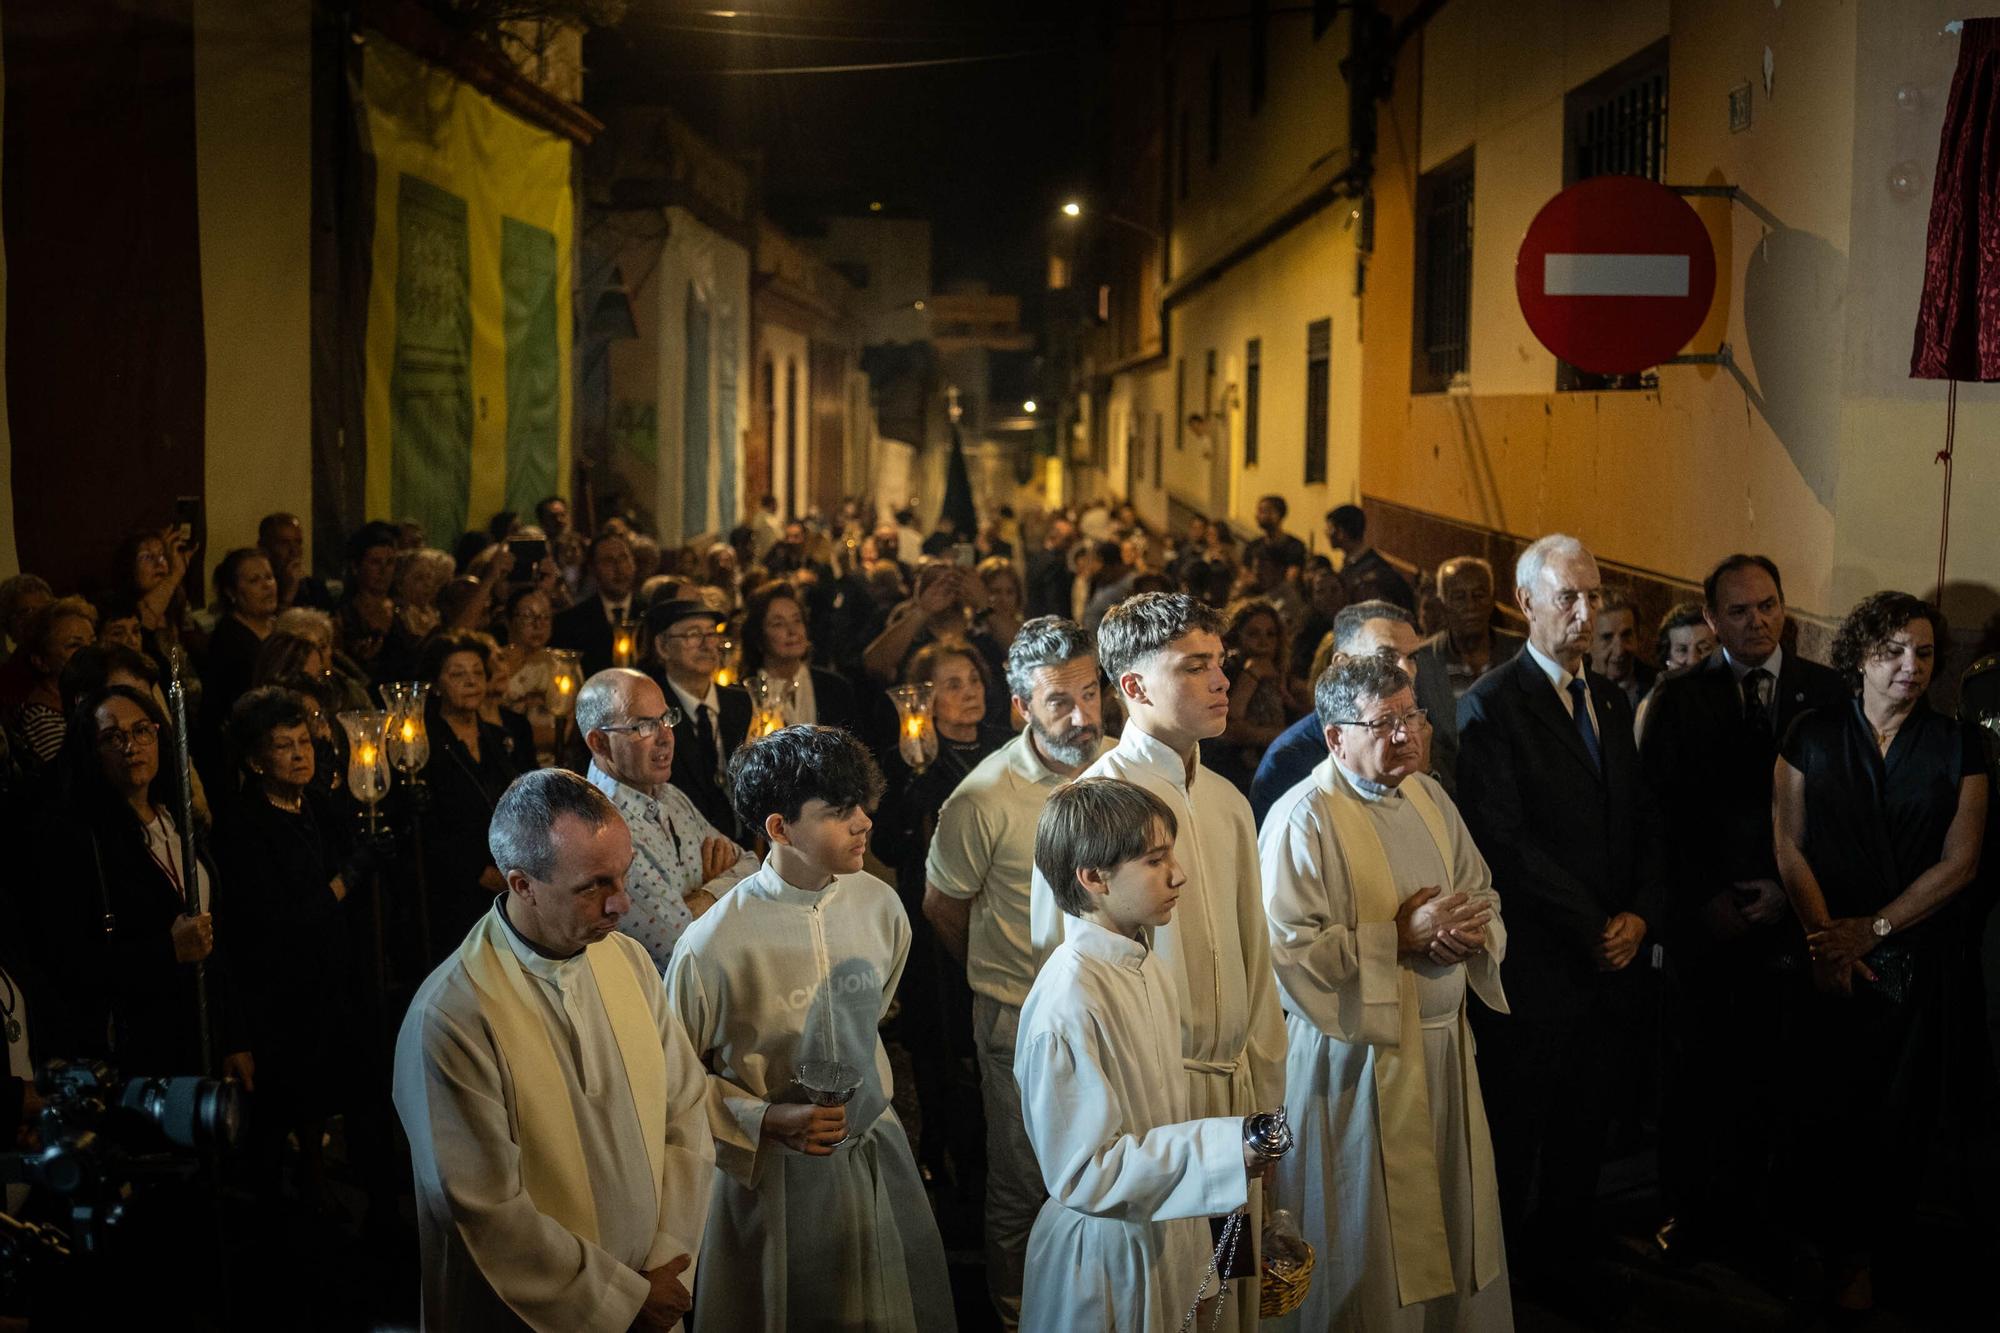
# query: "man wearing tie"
{"points": [[586, 627], [687, 651], [1550, 785], [1711, 740]]}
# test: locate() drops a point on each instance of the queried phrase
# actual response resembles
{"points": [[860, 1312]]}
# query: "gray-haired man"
{"points": [[556, 1113], [976, 896]]}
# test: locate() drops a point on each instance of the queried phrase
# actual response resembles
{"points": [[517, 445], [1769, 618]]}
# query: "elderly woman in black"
{"points": [[468, 770], [282, 849], [124, 949], [1880, 809], [247, 592]]}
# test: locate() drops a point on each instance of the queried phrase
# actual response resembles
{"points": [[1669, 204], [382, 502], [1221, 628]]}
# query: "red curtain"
{"points": [[1958, 323]]}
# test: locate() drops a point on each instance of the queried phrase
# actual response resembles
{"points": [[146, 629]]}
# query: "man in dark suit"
{"points": [[1365, 573], [586, 627], [686, 640], [1049, 575], [1711, 740], [1551, 787], [1614, 649]]}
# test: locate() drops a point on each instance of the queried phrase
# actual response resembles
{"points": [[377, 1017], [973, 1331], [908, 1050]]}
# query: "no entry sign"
{"points": [[1615, 274]]}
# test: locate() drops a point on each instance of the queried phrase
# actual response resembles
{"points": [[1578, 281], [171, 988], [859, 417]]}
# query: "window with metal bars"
{"points": [[1319, 383], [1442, 320], [1253, 382], [1616, 125]]}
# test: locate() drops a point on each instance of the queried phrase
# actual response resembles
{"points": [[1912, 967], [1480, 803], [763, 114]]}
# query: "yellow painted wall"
{"points": [[1819, 451], [253, 160]]}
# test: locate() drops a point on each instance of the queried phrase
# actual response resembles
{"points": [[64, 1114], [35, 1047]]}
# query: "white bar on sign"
{"points": [[1615, 275]]}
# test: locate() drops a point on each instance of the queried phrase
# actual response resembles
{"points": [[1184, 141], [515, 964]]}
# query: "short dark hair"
{"points": [[89, 668], [517, 837], [1733, 564], [258, 713], [1142, 625], [1350, 618], [367, 537], [441, 647], [597, 544], [80, 780], [226, 572], [779, 773], [1681, 615], [1873, 623], [1094, 824], [281, 654], [750, 643], [1348, 521], [923, 665], [1278, 500], [267, 526], [542, 508]]}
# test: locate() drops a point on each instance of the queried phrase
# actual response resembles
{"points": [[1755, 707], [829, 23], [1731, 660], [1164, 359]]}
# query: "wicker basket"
{"points": [[1283, 1285]]}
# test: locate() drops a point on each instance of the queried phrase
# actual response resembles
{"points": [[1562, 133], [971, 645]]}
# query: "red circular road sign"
{"points": [[1615, 274]]}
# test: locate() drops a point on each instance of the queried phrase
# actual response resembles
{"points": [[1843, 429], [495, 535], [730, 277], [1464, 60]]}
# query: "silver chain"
{"points": [[1218, 1262]]}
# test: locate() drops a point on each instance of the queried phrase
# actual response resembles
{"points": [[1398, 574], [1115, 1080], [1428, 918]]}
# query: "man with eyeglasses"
{"points": [[1382, 916], [681, 863], [1379, 628], [1550, 783], [686, 640]]}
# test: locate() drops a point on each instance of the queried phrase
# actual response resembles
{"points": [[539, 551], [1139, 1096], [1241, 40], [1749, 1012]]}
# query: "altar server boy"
{"points": [[819, 1219], [1122, 1242]]}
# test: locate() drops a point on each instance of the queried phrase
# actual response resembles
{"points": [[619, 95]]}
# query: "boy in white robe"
{"points": [[819, 1219], [1122, 1241], [1383, 917], [1162, 653], [553, 1107]]}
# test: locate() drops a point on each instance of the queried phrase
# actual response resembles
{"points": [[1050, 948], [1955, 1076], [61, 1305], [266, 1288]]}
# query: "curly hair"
{"points": [[1872, 623], [779, 773]]}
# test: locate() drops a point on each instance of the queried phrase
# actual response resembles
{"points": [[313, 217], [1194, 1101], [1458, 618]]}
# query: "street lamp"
{"points": [[1074, 209], [1029, 407]]}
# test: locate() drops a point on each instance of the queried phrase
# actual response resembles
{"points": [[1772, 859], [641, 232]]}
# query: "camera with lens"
{"points": [[106, 1146]]}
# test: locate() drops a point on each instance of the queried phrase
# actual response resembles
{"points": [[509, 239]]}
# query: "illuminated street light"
{"points": [[1029, 407], [1072, 209]]}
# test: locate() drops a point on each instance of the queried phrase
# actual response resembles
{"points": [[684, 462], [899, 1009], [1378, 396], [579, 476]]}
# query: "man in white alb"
{"points": [[556, 1113], [976, 895], [1382, 917]]}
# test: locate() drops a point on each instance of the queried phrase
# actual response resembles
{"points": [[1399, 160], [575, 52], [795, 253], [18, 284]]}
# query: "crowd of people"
{"points": [[1467, 884]]}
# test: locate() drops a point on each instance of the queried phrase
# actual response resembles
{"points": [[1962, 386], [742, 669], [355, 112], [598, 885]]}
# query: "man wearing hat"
{"points": [[686, 639]]}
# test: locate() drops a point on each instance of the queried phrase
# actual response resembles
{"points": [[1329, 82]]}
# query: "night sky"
{"points": [[985, 150]]}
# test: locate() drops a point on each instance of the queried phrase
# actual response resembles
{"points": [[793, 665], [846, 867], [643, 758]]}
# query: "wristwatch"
{"points": [[1267, 1134], [1880, 925]]}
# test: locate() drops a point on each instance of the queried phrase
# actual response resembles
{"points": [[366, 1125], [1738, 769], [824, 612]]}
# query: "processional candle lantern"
{"points": [[408, 744], [769, 700], [367, 758], [625, 643], [565, 679], [917, 738], [726, 673]]}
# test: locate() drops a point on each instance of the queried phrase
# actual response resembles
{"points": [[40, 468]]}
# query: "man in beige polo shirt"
{"points": [[976, 896]]}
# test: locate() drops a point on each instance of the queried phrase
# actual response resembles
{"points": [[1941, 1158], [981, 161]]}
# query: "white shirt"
{"points": [[1560, 677], [984, 851], [712, 701], [615, 611], [667, 834]]}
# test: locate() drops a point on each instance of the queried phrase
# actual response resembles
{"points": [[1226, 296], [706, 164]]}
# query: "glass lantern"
{"points": [[916, 736], [770, 701], [565, 679], [625, 643], [725, 675], [408, 744], [367, 758]]}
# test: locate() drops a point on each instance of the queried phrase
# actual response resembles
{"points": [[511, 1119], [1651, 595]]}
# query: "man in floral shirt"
{"points": [[680, 863]]}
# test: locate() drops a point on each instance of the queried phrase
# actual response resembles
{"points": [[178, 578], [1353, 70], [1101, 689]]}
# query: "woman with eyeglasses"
{"points": [[123, 946], [469, 768], [777, 646], [524, 670]]}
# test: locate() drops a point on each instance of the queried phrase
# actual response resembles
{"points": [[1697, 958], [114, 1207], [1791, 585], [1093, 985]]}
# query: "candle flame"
{"points": [[367, 754], [725, 676], [409, 730], [624, 645], [562, 685], [916, 726]]}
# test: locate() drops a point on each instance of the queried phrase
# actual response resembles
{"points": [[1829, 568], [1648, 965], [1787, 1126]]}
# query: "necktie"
{"points": [[1579, 696], [704, 736], [1757, 684]]}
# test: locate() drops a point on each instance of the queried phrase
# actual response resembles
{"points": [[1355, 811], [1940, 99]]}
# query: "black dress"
{"points": [[936, 1016], [288, 949], [225, 678], [462, 792], [1881, 1065]]}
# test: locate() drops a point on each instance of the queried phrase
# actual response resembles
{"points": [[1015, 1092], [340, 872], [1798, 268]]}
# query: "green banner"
{"points": [[534, 362], [430, 385]]}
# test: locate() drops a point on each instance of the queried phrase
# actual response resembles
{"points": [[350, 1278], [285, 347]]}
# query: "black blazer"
{"points": [[696, 771], [1570, 846], [833, 700], [583, 628], [1712, 776]]}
